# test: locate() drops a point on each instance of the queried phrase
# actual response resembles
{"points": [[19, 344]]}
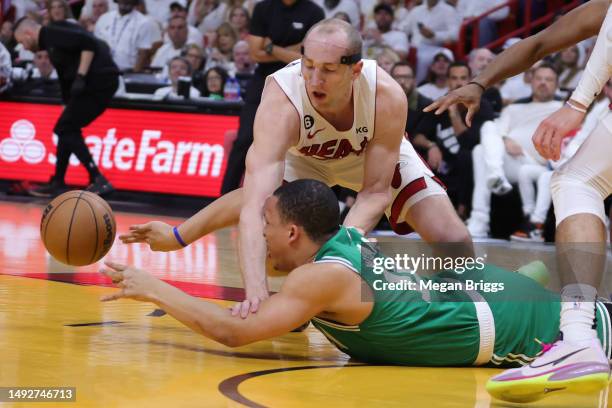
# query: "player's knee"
{"points": [[571, 195]]}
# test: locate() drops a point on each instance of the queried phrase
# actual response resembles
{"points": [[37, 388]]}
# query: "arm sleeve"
{"points": [[598, 69], [258, 26]]}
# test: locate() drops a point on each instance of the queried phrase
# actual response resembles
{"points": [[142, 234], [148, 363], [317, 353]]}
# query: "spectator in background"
{"points": [[88, 9], [214, 82], [160, 9], [487, 26], [243, 67], [569, 66], [431, 25], [98, 8], [129, 34], [435, 84], [341, 15], [518, 87], [448, 142], [43, 67], [194, 36], [25, 8], [401, 15], [5, 68], [220, 53], [239, 19], [42, 79], [350, 7], [383, 35], [194, 54], [387, 58], [478, 60], [506, 146], [403, 73], [177, 67], [6, 36], [59, 10], [276, 33], [206, 15], [177, 33]]}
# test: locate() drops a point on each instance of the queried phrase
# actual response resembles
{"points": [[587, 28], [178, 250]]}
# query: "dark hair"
{"points": [[402, 64], [384, 7], [310, 204], [184, 60], [459, 64], [549, 66], [224, 77]]}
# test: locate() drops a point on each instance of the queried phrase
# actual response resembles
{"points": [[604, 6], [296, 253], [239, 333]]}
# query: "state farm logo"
{"points": [[22, 145]]}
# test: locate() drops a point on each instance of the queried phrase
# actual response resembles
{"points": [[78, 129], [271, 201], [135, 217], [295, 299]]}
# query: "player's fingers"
{"points": [[244, 308], [235, 309], [546, 142], [555, 145], [115, 276], [470, 115], [255, 305], [432, 106], [142, 228], [113, 296], [116, 266], [131, 239], [446, 102]]}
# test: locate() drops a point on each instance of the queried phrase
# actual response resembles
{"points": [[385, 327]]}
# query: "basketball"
{"points": [[78, 228]]}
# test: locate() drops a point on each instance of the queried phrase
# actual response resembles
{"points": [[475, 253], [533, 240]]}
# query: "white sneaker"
{"points": [[561, 367], [499, 185], [477, 229]]}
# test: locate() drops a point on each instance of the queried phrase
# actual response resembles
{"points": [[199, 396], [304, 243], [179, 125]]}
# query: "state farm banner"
{"points": [[162, 152]]}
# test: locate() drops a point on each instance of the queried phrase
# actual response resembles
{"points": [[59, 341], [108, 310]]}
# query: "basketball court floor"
{"points": [[54, 332]]}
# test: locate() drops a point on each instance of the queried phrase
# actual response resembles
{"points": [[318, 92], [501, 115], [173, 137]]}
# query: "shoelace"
{"points": [[545, 346]]}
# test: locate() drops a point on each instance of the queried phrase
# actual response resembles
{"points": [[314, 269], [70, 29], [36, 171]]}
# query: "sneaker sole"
{"points": [[533, 389], [524, 239]]}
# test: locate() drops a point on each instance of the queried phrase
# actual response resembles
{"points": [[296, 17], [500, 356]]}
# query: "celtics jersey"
{"points": [[423, 327]]}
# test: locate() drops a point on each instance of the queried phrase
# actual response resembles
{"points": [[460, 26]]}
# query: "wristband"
{"points": [[478, 85], [178, 237], [576, 108]]}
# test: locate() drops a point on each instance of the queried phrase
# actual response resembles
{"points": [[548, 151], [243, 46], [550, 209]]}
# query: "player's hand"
{"points": [[250, 304], [468, 95], [512, 148], [434, 158], [78, 86], [158, 235], [548, 137], [134, 283]]}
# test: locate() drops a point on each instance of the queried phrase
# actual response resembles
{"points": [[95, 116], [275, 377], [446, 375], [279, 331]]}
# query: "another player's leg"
{"points": [[576, 362]]}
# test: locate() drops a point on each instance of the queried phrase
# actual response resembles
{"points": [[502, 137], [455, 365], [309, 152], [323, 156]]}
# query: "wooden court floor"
{"points": [[55, 332]]}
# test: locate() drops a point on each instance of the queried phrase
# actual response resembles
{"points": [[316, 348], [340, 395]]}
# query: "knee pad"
{"points": [[572, 195]]}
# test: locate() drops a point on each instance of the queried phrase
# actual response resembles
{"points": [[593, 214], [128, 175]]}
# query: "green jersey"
{"points": [[437, 321]]}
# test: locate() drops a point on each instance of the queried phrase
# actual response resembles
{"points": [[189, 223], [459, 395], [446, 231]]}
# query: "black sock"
{"points": [[82, 153], [63, 153]]}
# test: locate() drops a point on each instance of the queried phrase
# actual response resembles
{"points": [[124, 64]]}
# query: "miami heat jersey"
{"points": [[318, 138]]}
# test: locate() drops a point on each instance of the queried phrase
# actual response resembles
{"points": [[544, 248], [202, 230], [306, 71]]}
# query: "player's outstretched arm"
{"points": [[381, 155], [275, 130], [221, 213], [307, 291], [577, 25]]}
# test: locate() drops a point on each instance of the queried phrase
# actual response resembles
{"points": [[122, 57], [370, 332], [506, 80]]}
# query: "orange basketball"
{"points": [[78, 228]]}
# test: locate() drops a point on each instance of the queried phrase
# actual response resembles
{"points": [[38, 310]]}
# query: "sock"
{"points": [[82, 153], [63, 153], [578, 313]]}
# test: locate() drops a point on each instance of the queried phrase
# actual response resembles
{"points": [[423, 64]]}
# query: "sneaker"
{"points": [[477, 229], [529, 232], [499, 186], [561, 367], [100, 186], [52, 189]]}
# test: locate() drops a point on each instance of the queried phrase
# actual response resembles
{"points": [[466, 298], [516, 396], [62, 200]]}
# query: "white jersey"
{"points": [[335, 153]]}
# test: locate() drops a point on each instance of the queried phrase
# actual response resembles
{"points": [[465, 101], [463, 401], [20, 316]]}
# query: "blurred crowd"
{"points": [[211, 49]]}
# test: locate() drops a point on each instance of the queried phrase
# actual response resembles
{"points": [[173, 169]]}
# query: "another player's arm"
{"points": [[581, 23], [307, 291], [381, 155], [275, 130]]}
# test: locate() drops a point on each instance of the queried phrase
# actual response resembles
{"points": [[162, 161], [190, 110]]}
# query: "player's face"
{"points": [[327, 81], [277, 235]]}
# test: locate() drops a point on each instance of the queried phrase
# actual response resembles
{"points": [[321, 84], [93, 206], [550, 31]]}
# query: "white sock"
{"points": [[578, 313]]}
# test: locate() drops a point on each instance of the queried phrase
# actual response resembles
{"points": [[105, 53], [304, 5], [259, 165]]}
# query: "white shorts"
{"points": [[412, 181], [583, 183]]}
